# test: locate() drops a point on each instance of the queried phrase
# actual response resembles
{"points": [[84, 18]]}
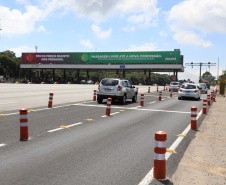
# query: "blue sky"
{"points": [[196, 27]]}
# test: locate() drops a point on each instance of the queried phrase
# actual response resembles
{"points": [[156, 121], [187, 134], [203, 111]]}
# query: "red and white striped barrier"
{"points": [[50, 100], [160, 95], [211, 96], [214, 96], [142, 99], [148, 89], [23, 125], [204, 106], [208, 99], [159, 170], [193, 118], [171, 93], [108, 109], [94, 95]]}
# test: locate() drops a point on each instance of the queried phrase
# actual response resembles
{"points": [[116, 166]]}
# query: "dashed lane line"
{"points": [[2, 144], [149, 177], [61, 128], [110, 114]]}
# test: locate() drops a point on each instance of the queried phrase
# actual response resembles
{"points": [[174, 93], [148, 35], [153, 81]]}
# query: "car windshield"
{"points": [[109, 82], [188, 86], [174, 83]]}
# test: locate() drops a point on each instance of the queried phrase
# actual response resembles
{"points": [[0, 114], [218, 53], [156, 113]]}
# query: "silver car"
{"points": [[203, 88], [189, 91], [117, 89], [174, 86]]}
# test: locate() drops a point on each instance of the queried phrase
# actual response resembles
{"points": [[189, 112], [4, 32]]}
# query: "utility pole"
{"points": [[36, 48], [200, 64]]}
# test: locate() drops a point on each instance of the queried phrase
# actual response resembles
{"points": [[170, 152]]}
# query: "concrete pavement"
{"points": [[204, 162]]}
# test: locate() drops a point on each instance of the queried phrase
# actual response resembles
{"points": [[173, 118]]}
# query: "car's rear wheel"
{"points": [[99, 100], [134, 98], [123, 100]]}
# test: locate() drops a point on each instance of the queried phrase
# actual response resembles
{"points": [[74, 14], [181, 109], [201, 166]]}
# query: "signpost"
{"points": [[222, 85]]}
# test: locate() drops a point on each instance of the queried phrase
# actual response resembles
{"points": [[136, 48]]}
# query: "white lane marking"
{"points": [[74, 124], [55, 129], [110, 114], [3, 144], [149, 177], [11, 114], [128, 108]]}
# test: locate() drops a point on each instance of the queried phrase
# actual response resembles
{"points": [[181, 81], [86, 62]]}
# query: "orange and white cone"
{"points": [[108, 109], [142, 99], [208, 99], [23, 125], [171, 93], [94, 95], [50, 100], [193, 118], [159, 170], [204, 106], [160, 95], [148, 89]]}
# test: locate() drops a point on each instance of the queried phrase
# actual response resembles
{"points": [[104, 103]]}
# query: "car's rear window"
{"points": [[174, 83], [109, 82], [202, 84], [188, 87]]}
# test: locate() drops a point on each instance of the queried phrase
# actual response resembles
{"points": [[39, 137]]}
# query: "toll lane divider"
{"points": [[149, 177]]}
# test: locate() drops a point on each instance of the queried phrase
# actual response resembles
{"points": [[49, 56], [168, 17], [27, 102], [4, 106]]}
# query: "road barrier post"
{"points": [[204, 106], [164, 88], [108, 109], [214, 96], [94, 95], [193, 118], [23, 125], [211, 95], [148, 89], [208, 99], [142, 99], [159, 171], [50, 100], [160, 95], [137, 90], [157, 88], [171, 93]]}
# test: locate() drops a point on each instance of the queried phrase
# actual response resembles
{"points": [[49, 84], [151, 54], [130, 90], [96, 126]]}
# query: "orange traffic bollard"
{"points": [[23, 125], [204, 106], [50, 100], [137, 90], [108, 109], [208, 99], [194, 118], [142, 100], [148, 89], [159, 171], [94, 95], [211, 96], [171, 93], [157, 88], [160, 95], [164, 88]]}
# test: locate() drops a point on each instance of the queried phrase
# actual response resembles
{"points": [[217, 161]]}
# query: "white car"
{"points": [[189, 91], [117, 89], [174, 86], [203, 88]]}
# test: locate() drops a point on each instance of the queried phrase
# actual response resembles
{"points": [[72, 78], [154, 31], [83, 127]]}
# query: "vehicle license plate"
{"points": [[187, 92], [108, 90]]}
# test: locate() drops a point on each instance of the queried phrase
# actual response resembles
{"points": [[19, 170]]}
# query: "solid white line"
{"points": [[11, 114], [74, 124], [149, 177], [7, 103], [3, 144], [55, 129], [104, 116]]}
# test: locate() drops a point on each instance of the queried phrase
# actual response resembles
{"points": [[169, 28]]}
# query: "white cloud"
{"points": [[100, 33], [145, 47], [194, 19], [41, 29], [87, 43], [129, 29], [163, 33], [18, 51], [16, 22]]}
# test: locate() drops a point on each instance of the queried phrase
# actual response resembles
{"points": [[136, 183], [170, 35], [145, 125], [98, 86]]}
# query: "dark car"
{"points": [[207, 85]]}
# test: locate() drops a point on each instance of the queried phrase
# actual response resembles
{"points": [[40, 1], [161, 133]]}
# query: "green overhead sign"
{"points": [[153, 57]]}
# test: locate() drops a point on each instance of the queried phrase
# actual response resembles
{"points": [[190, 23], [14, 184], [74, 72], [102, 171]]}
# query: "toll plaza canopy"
{"points": [[154, 61]]}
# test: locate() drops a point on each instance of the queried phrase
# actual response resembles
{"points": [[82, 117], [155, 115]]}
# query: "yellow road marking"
{"points": [[89, 119], [181, 135], [2, 114], [170, 150], [62, 126]]}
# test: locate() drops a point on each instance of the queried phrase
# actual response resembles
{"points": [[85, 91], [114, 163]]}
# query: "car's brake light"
{"points": [[196, 91], [180, 90], [119, 88]]}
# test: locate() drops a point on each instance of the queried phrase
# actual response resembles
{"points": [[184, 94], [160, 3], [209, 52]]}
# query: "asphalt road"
{"points": [[92, 148]]}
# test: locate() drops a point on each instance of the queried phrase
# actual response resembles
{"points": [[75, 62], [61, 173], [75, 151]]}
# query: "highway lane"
{"points": [[109, 150]]}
